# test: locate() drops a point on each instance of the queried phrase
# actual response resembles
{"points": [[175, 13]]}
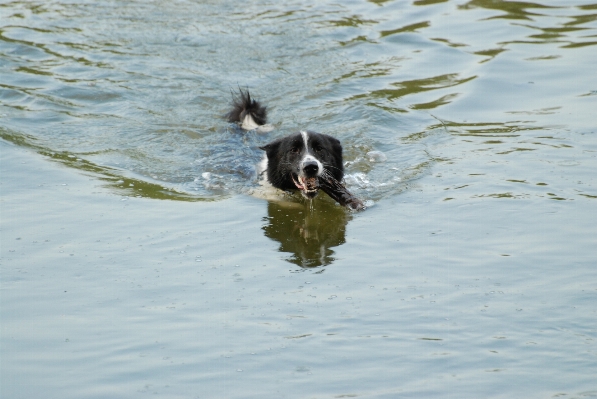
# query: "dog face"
{"points": [[297, 161]]}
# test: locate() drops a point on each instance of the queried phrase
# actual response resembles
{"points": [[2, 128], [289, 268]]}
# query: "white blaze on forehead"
{"points": [[308, 157], [305, 139]]}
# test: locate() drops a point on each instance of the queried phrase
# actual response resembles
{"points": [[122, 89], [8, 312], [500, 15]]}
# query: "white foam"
{"points": [[377, 156]]}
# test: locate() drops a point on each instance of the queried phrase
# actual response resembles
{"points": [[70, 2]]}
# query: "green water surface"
{"points": [[136, 259]]}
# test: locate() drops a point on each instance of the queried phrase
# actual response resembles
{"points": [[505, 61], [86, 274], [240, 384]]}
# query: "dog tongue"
{"points": [[306, 183]]}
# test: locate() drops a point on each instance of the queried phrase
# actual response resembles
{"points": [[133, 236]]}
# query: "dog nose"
{"points": [[310, 168]]}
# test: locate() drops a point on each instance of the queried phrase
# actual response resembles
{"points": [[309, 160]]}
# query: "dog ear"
{"points": [[336, 145], [271, 147]]}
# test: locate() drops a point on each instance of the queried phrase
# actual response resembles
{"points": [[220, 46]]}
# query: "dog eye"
{"points": [[295, 150], [318, 149]]}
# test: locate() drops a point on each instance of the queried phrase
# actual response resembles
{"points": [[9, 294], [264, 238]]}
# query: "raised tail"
{"points": [[248, 113]]}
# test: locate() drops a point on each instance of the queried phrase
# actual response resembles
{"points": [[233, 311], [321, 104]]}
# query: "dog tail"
{"points": [[247, 112]]}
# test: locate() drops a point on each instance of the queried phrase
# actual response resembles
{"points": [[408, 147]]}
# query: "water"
{"points": [[469, 125]]}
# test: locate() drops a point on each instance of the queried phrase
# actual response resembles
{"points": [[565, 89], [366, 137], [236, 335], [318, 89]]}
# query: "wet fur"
{"points": [[294, 162], [247, 111], [284, 157]]}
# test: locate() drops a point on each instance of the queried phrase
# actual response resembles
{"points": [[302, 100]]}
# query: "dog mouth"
{"points": [[309, 186]]}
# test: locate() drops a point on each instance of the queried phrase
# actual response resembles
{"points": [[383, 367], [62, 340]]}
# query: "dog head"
{"points": [[299, 160]]}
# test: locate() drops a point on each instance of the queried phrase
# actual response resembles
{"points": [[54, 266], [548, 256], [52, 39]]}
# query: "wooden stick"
{"points": [[339, 193]]}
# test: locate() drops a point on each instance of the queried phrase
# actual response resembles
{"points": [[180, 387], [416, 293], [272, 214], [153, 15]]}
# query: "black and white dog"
{"points": [[301, 161]]}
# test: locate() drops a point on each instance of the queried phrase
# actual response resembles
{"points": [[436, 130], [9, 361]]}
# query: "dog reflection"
{"points": [[307, 233]]}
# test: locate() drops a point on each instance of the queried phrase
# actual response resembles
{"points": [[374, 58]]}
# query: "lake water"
{"points": [[137, 259]]}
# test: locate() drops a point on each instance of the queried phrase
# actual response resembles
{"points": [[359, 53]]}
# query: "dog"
{"points": [[303, 161]]}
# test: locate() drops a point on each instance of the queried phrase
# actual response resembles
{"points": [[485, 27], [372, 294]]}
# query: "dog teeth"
{"points": [[305, 184], [300, 184]]}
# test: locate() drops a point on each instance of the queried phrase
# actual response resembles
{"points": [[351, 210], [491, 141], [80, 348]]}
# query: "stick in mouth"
{"points": [[309, 186], [340, 194]]}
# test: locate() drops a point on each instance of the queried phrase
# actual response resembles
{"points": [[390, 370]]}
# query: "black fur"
{"points": [[301, 161], [243, 105], [284, 158]]}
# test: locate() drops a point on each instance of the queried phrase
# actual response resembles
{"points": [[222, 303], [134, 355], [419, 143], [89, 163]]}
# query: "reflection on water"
{"points": [[470, 123], [126, 94], [404, 88], [111, 177], [126, 90], [307, 232]]}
